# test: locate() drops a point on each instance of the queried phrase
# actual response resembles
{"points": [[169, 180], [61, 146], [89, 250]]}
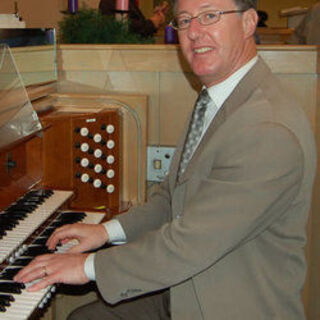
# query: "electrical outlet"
{"points": [[158, 159]]}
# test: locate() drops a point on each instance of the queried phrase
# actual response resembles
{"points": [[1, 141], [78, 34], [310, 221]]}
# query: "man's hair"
{"points": [[241, 4], [245, 4]]}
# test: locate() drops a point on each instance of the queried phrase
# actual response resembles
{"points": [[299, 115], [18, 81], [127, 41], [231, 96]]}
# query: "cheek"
{"points": [[186, 50]]}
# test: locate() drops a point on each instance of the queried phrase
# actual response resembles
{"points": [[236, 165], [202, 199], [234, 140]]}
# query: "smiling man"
{"points": [[224, 236]]}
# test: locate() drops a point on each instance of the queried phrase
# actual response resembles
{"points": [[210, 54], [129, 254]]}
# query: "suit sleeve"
{"points": [[253, 179], [150, 216]]}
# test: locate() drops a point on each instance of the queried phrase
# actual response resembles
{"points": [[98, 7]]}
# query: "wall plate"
{"points": [[159, 159]]}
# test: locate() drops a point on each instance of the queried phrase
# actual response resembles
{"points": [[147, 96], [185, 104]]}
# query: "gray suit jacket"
{"points": [[227, 238]]}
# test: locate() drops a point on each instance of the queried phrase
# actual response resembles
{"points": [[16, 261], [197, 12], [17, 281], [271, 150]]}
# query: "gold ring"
{"points": [[44, 271]]}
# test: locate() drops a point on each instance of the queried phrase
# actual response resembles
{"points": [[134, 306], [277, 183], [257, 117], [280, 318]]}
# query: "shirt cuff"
{"points": [[115, 231], [116, 235], [89, 267]]}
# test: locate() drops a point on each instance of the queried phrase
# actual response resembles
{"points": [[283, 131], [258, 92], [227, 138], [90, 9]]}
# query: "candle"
{"points": [[170, 35], [122, 9], [73, 6], [122, 5]]}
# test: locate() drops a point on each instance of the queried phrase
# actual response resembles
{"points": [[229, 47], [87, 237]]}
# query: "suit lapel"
{"points": [[240, 94]]}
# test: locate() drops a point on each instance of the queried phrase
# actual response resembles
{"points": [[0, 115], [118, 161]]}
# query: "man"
{"points": [[308, 31], [224, 236]]}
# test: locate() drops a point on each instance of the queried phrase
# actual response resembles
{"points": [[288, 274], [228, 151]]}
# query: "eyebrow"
{"points": [[202, 8]]}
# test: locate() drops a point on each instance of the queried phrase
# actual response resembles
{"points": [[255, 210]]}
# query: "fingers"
{"points": [[35, 270], [79, 248], [61, 235], [42, 283], [89, 236], [53, 268]]}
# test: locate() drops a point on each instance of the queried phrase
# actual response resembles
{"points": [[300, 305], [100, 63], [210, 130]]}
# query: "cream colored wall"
{"points": [[156, 71]]}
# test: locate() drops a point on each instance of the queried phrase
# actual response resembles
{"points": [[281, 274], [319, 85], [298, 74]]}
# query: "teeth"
{"points": [[202, 50]]}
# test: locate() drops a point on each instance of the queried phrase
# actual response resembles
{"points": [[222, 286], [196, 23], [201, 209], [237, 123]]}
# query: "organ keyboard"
{"points": [[10, 243], [24, 234]]}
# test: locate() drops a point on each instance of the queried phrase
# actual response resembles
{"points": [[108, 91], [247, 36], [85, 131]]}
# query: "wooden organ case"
{"points": [[30, 210], [82, 153]]}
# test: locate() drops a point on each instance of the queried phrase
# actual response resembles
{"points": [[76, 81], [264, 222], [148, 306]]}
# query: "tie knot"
{"points": [[203, 99]]}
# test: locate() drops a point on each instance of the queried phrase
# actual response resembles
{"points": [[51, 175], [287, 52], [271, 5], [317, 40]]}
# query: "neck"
{"points": [[249, 52]]}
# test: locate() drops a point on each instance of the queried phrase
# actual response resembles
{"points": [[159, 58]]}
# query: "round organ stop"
{"points": [[98, 168], [110, 128], [84, 131], [110, 159], [85, 178], [110, 188], [97, 183], [84, 162], [97, 138], [110, 144], [110, 173], [84, 147], [98, 153]]}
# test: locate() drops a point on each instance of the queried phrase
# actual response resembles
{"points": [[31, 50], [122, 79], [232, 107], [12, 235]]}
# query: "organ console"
{"points": [[68, 160]]}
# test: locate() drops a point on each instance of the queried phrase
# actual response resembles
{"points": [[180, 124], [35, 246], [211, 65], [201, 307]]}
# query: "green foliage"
{"points": [[90, 26]]}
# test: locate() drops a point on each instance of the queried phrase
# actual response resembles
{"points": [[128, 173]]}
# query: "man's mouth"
{"points": [[202, 50]]}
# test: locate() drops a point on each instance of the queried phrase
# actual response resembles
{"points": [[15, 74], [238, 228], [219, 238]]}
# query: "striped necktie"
{"points": [[195, 129]]}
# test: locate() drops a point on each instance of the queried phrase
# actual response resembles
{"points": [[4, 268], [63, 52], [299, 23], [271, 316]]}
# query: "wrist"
{"points": [[104, 233]]}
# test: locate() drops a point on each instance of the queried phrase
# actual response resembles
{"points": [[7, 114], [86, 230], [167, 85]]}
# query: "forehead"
{"points": [[196, 5]]}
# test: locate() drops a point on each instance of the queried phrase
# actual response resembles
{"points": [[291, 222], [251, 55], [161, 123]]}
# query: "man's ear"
{"points": [[249, 20]]}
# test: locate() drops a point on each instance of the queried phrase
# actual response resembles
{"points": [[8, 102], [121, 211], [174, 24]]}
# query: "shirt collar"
{"points": [[221, 91]]}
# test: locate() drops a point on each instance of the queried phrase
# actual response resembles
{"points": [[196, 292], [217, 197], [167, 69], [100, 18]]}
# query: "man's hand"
{"points": [[89, 236], [54, 268]]}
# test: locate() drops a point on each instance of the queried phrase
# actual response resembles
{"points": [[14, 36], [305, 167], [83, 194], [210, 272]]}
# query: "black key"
{"points": [[40, 240], [4, 302], [9, 273], [8, 297], [33, 251], [47, 232], [11, 287], [22, 261]]}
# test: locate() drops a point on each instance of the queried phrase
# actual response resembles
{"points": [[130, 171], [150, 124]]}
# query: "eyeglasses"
{"points": [[205, 18]]}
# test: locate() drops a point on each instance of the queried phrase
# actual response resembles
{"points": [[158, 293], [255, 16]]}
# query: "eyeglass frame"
{"points": [[218, 12]]}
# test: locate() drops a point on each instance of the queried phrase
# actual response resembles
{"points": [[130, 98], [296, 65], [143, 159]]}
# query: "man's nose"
{"points": [[194, 28]]}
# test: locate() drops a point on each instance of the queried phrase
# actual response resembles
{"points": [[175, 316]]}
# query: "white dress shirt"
{"points": [[219, 94]]}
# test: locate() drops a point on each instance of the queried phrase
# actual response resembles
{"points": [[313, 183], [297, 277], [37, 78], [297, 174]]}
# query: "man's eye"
{"points": [[183, 21], [210, 16]]}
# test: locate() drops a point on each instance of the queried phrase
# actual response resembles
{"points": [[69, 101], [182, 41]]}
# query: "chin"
{"points": [[205, 74], [204, 67]]}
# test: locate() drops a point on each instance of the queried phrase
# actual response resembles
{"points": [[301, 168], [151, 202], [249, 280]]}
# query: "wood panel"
{"points": [[85, 171], [133, 165], [24, 172]]}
